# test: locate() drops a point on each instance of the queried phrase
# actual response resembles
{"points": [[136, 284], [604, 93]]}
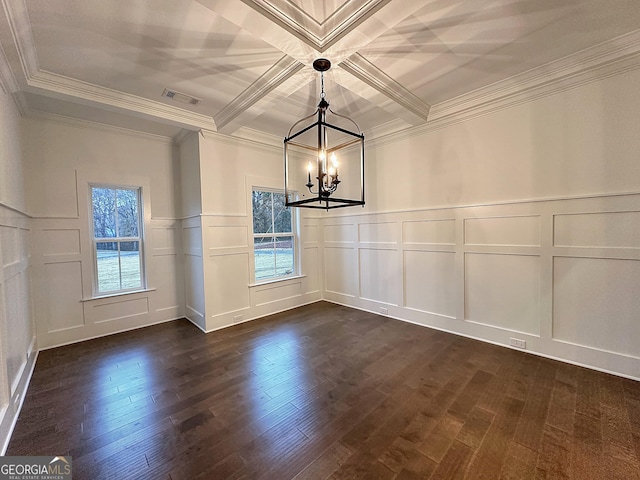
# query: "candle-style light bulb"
{"points": [[309, 168], [334, 162]]}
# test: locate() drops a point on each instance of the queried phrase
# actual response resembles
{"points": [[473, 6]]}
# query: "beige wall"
{"points": [[511, 224], [17, 332], [62, 158]]}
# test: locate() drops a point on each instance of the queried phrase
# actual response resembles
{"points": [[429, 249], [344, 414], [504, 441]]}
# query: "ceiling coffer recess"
{"points": [[180, 97]]}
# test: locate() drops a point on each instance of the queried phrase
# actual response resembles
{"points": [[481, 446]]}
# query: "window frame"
{"points": [[293, 234], [140, 239]]}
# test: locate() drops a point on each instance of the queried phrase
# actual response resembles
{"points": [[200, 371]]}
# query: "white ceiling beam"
{"points": [[282, 71], [361, 68]]}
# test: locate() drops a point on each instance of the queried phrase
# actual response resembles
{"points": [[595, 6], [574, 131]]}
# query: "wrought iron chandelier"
{"points": [[309, 150]]}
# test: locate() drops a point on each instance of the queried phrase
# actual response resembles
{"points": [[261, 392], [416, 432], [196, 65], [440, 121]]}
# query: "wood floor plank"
{"points": [[324, 391]]}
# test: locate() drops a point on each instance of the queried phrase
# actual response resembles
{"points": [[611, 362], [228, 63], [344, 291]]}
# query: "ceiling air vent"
{"points": [[180, 97]]}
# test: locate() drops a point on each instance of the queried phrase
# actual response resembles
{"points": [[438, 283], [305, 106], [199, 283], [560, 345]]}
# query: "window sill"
{"points": [[118, 294], [276, 280]]}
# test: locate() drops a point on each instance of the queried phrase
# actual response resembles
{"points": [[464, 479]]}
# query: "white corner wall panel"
{"points": [[605, 229], [164, 240], [192, 240], [596, 303], [62, 285], [430, 282], [513, 230], [379, 271], [194, 289], [429, 232], [503, 291], [9, 242]]}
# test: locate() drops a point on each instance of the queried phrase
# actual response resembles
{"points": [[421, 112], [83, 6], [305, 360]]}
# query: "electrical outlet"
{"points": [[516, 342], [384, 311], [238, 318]]}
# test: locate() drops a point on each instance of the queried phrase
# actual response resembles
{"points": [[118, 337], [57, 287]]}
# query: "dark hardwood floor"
{"points": [[324, 391]]}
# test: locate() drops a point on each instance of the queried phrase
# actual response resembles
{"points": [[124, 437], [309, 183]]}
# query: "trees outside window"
{"points": [[273, 238], [117, 238]]}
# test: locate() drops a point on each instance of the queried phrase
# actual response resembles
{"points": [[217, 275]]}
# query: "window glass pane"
{"points": [[104, 212], [265, 257], [284, 256], [262, 219], [130, 264], [108, 266], [127, 203], [281, 214]]}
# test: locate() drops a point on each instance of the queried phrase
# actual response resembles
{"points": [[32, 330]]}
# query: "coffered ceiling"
{"points": [[396, 63]]}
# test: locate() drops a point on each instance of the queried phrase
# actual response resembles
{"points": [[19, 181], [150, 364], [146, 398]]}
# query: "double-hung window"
{"points": [[117, 238], [273, 237]]}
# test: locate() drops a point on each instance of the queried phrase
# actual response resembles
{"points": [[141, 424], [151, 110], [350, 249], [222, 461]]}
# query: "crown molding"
{"points": [[89, 125], [361, 68], [284, 69], [605, 59], [20, 28], [247, 137], [115, 100]]}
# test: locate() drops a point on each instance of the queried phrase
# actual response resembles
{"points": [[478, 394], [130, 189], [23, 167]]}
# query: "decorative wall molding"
{"points": [[511, 281]]}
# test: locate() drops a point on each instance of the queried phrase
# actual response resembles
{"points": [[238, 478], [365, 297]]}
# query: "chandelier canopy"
{"points": [[318, 150]]}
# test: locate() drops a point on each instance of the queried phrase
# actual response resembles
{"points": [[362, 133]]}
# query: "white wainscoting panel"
{"points": [[503, 291], [429, 232], [380, 233], [340, 233], [227, 236], [596, 303], [192, 240], [60, 241], [515, 230], [606, 229], [311, 265], [275, 292], [9, 242], [340, 267], [117, 308], [429, 282], [62, 286], [379, 271], [228, 289], [310, 233]]}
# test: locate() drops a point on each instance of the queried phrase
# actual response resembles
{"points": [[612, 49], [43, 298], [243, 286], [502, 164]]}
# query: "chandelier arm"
{"points": [[300, 121], [347, 118]]}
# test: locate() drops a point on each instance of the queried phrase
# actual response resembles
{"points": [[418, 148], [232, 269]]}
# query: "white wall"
{"points": [[228, 170], [17, 332], [62, 158], [459, 234]]}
